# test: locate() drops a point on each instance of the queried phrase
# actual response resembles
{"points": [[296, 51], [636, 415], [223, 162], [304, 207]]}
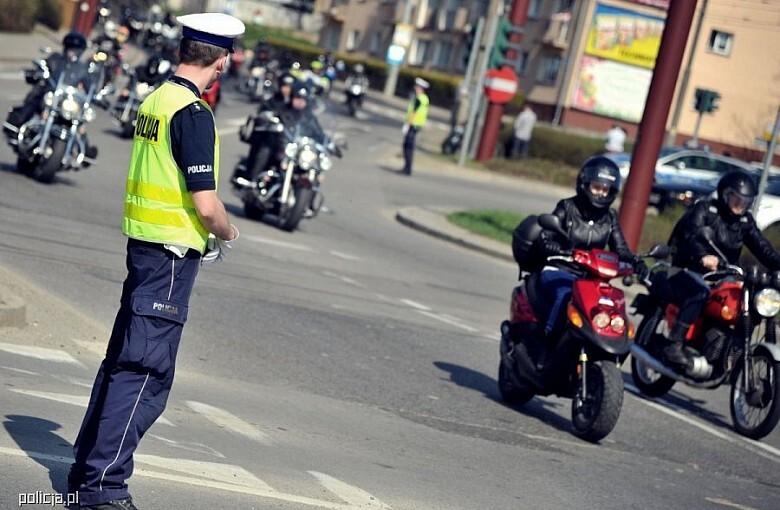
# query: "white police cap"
{"points": [[419, 82], [212, 28]]}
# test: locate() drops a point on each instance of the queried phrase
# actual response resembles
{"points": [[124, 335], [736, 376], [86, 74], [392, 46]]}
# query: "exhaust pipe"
{"points": [[647, 359]]}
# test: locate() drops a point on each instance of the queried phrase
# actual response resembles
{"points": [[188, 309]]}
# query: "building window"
{"points": [[442, 54], [376, 42], [418, 56], [522, 63], [534, 9], [548, 70], [332, 41], [720, 42], [352, 40]]}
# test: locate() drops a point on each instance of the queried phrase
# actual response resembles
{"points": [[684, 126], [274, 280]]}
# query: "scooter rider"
{"points": [[357, 77], [590, 222], [733, 227]]}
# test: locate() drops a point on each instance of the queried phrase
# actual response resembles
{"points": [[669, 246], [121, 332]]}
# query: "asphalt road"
{"points": [[350, 364]]}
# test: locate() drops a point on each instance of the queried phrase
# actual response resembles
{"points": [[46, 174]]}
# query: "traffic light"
{"points": [[501, 43], [706, 101], [471, 42]]}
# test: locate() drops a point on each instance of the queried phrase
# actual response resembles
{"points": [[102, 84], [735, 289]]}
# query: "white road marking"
{"points": [[223, 477], [229, 421], [273, 242], [11, 75], [352, 495], [345, 279], [43, 353], [415, 304], [345, 256], [769, 452], [448, 319], [725, 502], [74, 400], [193, 447], [19, 370]]}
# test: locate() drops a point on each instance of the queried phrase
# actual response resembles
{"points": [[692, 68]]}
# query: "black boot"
{"points": [[674, 352]]}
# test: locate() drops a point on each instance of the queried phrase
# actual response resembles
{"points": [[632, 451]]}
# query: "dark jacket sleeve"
{"points": [[547, 235], [759, 245], [617, 241]]}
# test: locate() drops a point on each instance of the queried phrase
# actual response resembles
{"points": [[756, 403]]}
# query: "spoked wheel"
{"points": [[510, 392], [755, 399], [649, 382], [595, 415]]}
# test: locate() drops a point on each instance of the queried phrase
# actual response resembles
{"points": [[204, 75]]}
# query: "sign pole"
{"points": [[475, 90], [768, 157]]}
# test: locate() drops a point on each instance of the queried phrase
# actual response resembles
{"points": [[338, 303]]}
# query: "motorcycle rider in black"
{"points": [[733, 227], [73, 45], [357, 77], [590, 222]]}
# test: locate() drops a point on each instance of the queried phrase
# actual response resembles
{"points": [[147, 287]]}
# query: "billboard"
{"points": [[612, 89], [624, 36]]}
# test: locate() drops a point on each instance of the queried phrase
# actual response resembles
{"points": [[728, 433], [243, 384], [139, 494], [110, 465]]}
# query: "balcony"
{"points": [[557, 33]]}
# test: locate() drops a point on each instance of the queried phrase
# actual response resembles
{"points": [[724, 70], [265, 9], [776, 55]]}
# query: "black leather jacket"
{"points": [[731, 233], [589, 228]]}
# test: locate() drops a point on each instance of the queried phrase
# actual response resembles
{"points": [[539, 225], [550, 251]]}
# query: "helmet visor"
{"points": [[737, 202]]}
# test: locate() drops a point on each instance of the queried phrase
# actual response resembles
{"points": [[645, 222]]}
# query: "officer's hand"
{"points": [[405, 129], [217, 249]]}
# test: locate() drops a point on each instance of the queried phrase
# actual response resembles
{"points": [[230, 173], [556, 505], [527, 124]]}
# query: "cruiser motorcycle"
{"points": [[582, 361], [55, 140], [289, 186], [734, 341]]}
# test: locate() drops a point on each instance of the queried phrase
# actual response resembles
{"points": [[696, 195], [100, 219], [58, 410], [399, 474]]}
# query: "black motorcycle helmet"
{"points": [[359, 69], [598, 170], [286, 79], [299, 89], [739, 185], [74, 40]]}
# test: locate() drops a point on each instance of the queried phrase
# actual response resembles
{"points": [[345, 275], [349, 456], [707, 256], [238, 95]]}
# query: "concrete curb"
{"points": [[435, 223], [13, 311]]}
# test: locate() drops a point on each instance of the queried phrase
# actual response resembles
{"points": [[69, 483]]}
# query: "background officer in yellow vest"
{"points": [[174, 222], [416, 115]]}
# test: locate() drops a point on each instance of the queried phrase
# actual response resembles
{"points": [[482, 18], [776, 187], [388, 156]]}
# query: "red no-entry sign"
{"points": [[500, 85]]}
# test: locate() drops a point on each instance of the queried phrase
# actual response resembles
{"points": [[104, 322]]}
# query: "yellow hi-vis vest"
{"points": [[158, 207], [421, 115]]}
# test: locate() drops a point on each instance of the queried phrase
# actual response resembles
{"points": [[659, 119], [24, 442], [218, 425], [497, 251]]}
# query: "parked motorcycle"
{"points": [[354, 94], [289, 189], [582, 363], [55, 139], [734, 341], [451, 144]]}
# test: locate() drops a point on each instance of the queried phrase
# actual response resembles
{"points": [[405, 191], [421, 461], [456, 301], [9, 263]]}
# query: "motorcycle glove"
{"points": [[217, 249], [405, 129], [552, 248], [640, 269]]}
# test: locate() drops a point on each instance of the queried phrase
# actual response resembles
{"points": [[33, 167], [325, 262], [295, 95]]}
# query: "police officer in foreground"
{"points": [[175, 223], [416, 116]]}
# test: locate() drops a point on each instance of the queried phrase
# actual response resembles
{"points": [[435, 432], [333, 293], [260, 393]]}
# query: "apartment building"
{"points": [[588, 63]]}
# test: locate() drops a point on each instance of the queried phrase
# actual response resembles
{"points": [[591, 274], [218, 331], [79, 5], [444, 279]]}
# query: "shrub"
{"points": [[49, 14], [17, 15]]}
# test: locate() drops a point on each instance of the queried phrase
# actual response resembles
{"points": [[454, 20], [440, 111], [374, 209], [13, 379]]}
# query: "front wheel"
{"points": [[755, 399], [510, 392], [596, 414], [44, 172], [291, 214], [650, 382]]}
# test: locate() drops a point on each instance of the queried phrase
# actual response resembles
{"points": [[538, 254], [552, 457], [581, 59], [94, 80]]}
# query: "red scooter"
{"points": [[581, 362], [734, 341]]}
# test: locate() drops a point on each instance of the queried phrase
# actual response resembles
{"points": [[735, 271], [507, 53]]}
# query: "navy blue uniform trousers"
{"points": [[409, 142], [132, 385]]}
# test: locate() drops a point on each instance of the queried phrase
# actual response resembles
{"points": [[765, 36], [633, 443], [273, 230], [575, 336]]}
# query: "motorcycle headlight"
{"points": [[325, 162], [141, 89], [70, 107], [355, 90], [290, 149], [767, 302], [257, 71], [89, 114], [307, 157], [48, 98]]}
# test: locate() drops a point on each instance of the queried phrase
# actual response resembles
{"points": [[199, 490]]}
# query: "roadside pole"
{"points": [[768, 157], [474, 89], [392, 75]]}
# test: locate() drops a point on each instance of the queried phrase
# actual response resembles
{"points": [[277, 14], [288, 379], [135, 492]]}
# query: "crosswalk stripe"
{"points": [[42, 353], [229, 421]]}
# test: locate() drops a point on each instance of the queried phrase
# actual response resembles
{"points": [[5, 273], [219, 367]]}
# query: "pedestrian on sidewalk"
{"points": [[615, 140], [523, 129], [416, 116], [175, 223]]}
